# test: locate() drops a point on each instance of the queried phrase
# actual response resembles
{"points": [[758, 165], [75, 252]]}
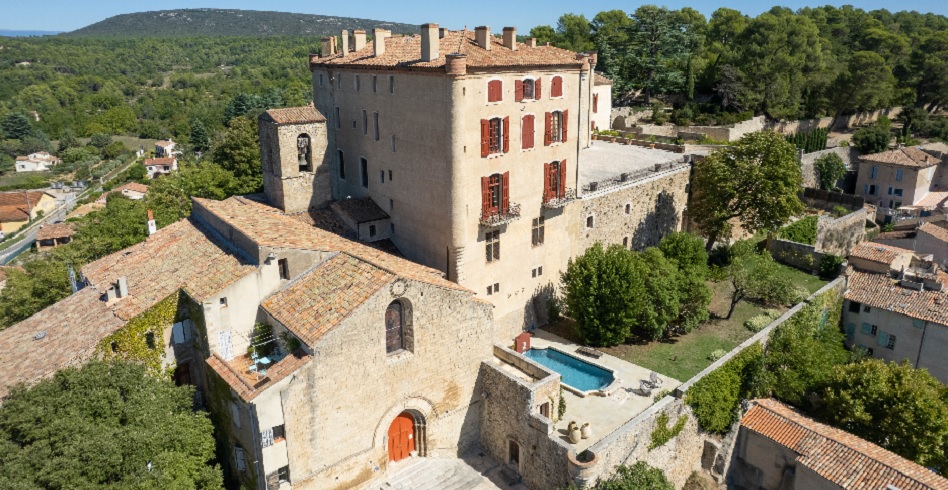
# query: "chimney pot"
{"points": [[379, 44], [344, 42], [482, 36], [531, 42], [430, 42], [510, 38], [358, 37], [122, 287]]}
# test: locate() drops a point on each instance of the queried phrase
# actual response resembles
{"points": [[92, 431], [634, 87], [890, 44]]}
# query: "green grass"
{"points": [[684, 356]]}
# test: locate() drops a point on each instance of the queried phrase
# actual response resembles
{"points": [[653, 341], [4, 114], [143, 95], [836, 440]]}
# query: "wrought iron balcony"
{"points": [[568, 196], [497, 217]]}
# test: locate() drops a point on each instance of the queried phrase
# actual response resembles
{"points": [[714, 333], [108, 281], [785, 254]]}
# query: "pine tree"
{"points": [[199, 138]]}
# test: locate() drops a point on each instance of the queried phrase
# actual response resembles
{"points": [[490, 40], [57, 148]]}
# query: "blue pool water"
{"points": [[576, 372]]}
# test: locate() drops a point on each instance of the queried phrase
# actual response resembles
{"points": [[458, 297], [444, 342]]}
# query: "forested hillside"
{"points": [[228, 22], [785, 64]]}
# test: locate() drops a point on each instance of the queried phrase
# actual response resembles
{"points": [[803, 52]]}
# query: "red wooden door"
{"points": [[401, 437]]}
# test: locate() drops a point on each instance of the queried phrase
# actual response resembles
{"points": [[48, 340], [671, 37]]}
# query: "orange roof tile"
{"points": [[882, 291], [266, 226], [906, 157], [294, 115], [245, 383], [159, 161], [317, 301], [360, 210], [838, 456], [164, 143], [74, 327], [405, 52], [54, 230], [877, 252], [937, 229], [19, 198], [13, 214], [180, 256]]}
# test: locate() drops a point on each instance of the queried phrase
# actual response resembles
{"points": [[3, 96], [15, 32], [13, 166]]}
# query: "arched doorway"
{"points": [[401, 437]]}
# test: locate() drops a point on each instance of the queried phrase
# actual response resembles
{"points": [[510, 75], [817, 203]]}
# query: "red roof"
{"points": [[294, 115], [877, 252], [884, 292], [905, 157], [836, 455], [159, 161]]}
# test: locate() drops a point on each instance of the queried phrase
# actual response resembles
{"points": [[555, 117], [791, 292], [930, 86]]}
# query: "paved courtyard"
{"points": [[604, 414], [604, 160], [471, 472]]}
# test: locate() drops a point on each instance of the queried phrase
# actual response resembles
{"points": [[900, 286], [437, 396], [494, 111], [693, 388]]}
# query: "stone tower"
{"points": [[295, 162]]}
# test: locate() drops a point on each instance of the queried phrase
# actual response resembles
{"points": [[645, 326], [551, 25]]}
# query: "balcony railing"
{"points": [[497, 217], [569, 195]]}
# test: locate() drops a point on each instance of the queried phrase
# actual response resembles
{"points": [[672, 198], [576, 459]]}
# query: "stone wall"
{"points": [[731, 132], [655, 206], [287, 186], [840, 235], [799, 255], [849, 155]]}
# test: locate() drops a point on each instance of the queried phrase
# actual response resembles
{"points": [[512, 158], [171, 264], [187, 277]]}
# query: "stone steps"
{"points": [[434, 474]]}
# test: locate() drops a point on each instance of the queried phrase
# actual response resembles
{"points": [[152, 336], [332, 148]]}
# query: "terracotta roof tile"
{"points": [[245, 383], [317, 301], [360, 210], [405, 52], [131, 186], [877, 252], [937, 147], [13, 213], [180, 256], [882, 291], [906, 157], [266, 226], [326, 220], [18, 198], [74, 327], [164, 143], [600, 79], [294, 115], [840, 457], [937, 229], [933, 200], [55, 230], [159, 161]]}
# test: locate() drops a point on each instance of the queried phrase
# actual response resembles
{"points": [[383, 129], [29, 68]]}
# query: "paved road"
{"points": [[26, 241]]}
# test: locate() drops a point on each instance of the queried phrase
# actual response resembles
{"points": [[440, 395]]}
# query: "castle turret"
{"points": [[293, 154]]}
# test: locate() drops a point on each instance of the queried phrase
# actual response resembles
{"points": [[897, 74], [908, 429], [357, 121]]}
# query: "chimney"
{"points": [[344, 42], [358, 36], [455, 64], [379, 44], [510, 38], [442, 32], [430, 42], [482, 35], [531, 42], [329, 47], [152, 226], [122, 288]]}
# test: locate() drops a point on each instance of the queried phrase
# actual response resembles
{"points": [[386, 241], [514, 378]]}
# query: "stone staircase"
{"points": [[438, 474]]}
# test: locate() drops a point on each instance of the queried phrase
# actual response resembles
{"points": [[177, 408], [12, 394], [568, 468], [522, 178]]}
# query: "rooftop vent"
{"points": [[39, 335]]}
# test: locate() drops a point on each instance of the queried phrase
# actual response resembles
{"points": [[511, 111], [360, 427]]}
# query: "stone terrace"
{"points": [[605, 160], [604, 414]]}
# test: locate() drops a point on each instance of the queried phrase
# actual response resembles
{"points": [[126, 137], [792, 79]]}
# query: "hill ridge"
{"points": [[228, 22]]}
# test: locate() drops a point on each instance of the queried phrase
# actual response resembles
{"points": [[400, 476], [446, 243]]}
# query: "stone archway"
{"points": [[407, 434]]}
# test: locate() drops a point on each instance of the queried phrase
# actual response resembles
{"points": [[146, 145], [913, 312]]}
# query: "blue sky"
{"points": [[65, 15]]}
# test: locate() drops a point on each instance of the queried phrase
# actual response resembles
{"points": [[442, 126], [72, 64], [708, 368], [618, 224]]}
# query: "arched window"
{"points": [[394, 327], [304, 153]]}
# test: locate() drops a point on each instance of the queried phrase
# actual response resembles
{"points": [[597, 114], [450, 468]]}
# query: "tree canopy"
{"points": [[829, 169], [106, 424]]}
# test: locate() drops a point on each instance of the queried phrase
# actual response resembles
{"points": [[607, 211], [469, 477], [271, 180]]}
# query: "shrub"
{"points": [[758, 323], [639, 476], [662, 393], [797, 294], [829, 168], [840, 211], [802, 231], [561, 406], [715, 398], [658, 114], [663, 433], [829, 266], [716, 354]]}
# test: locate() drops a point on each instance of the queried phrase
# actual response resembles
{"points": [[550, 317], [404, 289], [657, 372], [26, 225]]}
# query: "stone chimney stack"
{"points": [[430, 42], [482, 35], [329, 47], [344, 42], [442, 32], [455, 64], [510, 38], [152, 226], [531, 42], [358, 37], [379, 44]]}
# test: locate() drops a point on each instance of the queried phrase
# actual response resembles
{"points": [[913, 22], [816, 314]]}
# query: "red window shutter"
{"points": [[505, 192], [495, 91], [485, 137], [595, 102], [547, 131], [564, 124], [536, 89], [556, 89], [526, 131], [506, 134], [546, 182], [562, 189], [518, 89], [485, 195]]}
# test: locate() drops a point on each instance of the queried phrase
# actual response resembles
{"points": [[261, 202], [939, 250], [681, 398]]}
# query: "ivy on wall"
{"points": [[142, 338], [663, 433]]}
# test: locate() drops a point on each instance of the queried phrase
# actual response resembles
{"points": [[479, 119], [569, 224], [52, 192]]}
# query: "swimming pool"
{"points": [[576, 372]]}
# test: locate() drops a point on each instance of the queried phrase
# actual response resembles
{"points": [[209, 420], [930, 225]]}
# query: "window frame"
{"points": [[376, 119], [496, 135], [538, 231], [364, 168], [492, 246], [556, 127], [394, 337], [342, 164], [283, 265]]}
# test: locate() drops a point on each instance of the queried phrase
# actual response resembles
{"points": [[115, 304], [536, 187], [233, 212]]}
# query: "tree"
{"points": [[753, 276], [610, 35], [238, 150], [657, 52], [729, 89], [572, 33], [15, 126], [640, 476], [754, 182], [40, 284], [543, 34], [199, 138], [106, 425], [830, 168], [100, 140], [866, 84], [67, 140], [113, 150], [873, 138], [902, 409], [660, 306], [599, 294], [170, 196], [687, 250]]}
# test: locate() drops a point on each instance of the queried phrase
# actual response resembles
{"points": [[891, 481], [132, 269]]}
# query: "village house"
{"points": [[165, 148], [17, 208], [156, 167], [778, 447], [53, 235], [906, 181], [896, 307], [601, 116], [36, 162]]}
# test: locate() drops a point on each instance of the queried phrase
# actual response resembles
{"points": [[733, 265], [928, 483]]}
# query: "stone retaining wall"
{"points": [[848, 154]]}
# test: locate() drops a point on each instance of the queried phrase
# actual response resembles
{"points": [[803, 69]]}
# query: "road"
{"points": [[26, 241]]}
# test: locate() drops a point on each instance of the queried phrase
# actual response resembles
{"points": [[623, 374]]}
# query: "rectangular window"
{"points": [[358, 83], [382, 176], [874, 173], [364, 166], [538, 231], [556, 87], [339, 81], [239, 458], [375, 84], [898, 192], [389, 175], [391, 204], [376, 116], [284, 474], [235, 414], [890, 342], [496, 135], [496, 287], [320, 79], [391, 84], [590, 221], [337, 118], [492, 239], [890, 190], [372, 231], [284, 268], [342, 165], [527, 128], [899, 173], [545, 409], [224, 301], [854, 307], [279, 433], [365, 122], [866, 309], [393, 143]]}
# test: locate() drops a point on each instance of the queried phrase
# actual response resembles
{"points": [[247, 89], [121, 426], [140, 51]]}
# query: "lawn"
{"points": [[685, 356]]}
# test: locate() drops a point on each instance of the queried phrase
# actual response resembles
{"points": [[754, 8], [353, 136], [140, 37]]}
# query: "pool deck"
{"points": [[604, 414]]}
